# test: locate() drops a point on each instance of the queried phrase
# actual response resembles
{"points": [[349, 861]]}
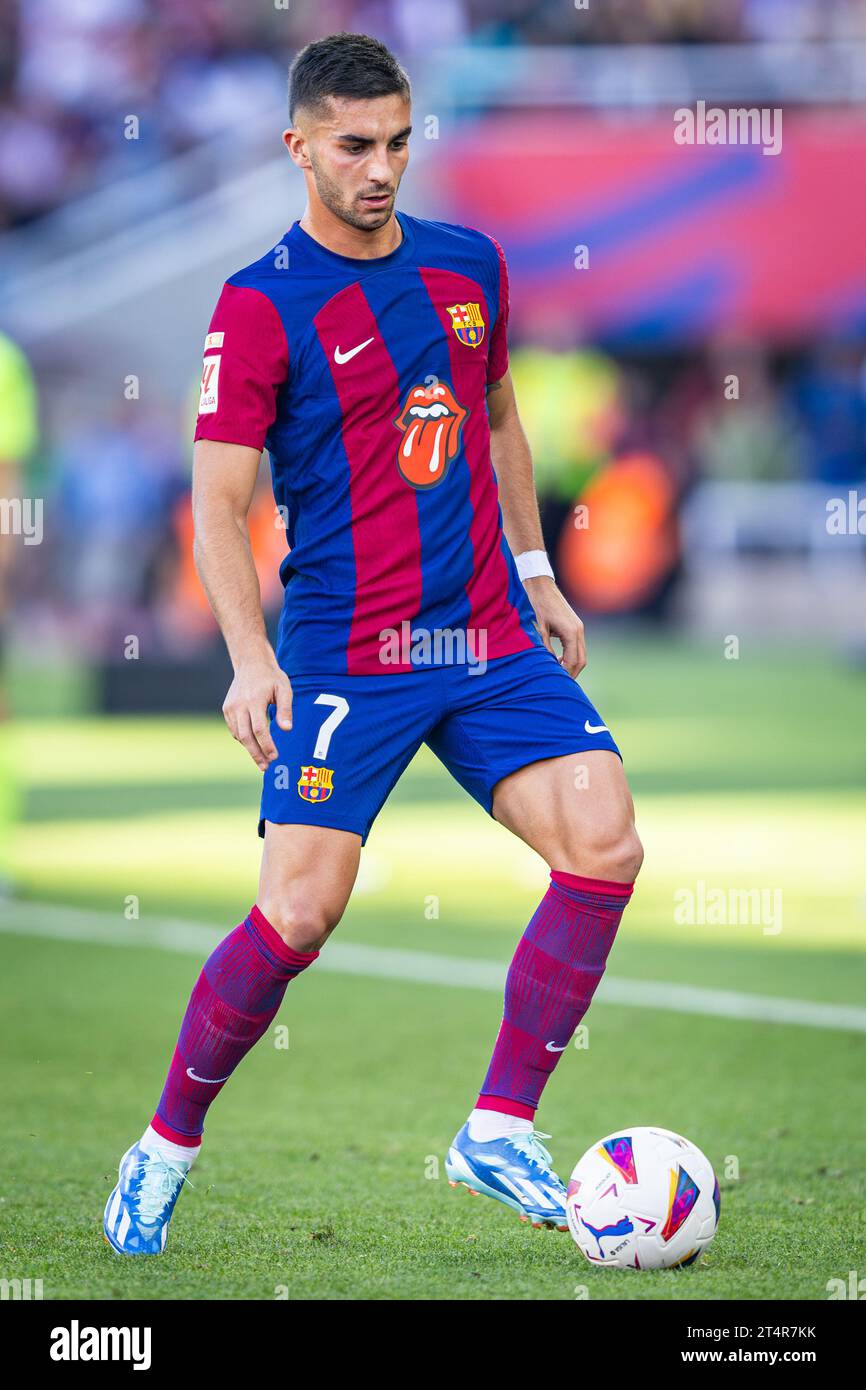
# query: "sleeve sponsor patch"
{"points": [[246, 364], [210, 375]]}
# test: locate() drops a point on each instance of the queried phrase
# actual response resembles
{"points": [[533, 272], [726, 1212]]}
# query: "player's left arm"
{"points": [[512, 461]]}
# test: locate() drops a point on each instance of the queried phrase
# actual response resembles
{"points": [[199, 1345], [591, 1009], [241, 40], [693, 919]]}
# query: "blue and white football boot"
{"points": [[515, 1169], [139, 1209]]}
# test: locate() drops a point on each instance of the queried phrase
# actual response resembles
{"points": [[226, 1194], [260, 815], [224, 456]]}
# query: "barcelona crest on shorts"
{"points": [[315, 783], [468, 323]]}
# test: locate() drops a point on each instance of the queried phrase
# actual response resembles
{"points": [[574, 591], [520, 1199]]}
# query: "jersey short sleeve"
{"points": [[497, 359], [245, 364]]}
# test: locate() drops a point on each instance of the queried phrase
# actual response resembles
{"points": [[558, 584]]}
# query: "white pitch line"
{"points": [[100, 928]]}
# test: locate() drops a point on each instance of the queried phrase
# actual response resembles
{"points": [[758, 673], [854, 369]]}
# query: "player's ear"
{"points": [[296, 144]]}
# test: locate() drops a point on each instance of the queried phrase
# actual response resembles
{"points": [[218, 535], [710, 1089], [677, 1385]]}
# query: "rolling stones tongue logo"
{"points": [[431, 421]]}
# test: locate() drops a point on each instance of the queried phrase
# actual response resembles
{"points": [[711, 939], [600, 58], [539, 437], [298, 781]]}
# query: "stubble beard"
{"points": [[334, 199]]}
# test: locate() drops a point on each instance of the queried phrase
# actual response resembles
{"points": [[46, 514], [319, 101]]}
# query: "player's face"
{"points": [[356, 155]]}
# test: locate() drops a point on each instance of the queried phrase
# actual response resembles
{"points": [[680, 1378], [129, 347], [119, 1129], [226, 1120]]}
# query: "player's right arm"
{"points": [[224, 477], [245, 365]]}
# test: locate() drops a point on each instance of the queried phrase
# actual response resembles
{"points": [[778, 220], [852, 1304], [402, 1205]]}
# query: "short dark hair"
{"points": [[344, 65]]}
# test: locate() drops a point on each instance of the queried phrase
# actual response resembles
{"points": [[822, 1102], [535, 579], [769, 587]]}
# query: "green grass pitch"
{"points": [[322, 1175]]}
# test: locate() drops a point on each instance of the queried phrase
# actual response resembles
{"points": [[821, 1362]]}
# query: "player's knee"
{"points": [[303, 925], [631, 854], [621, 855], [612, 852]]}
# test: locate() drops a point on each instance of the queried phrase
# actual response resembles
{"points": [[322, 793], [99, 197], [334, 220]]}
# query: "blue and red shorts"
{"points": [[352, 737]]}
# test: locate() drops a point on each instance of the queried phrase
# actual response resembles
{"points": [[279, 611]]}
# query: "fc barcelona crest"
{"points": [[467, 321], [315, 783]]}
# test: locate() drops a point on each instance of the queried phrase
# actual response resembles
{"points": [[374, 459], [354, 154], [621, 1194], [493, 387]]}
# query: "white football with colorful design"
{"points": [[643, 1198]]}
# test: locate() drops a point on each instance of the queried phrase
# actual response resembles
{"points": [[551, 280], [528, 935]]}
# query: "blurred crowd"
{"points": [[73, 71]]}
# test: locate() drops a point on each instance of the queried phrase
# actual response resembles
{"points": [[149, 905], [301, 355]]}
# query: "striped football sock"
{"points": [[553, 976], [232, 1005]]}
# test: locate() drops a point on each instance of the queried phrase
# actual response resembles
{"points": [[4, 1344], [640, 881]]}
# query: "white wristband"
{"points": [[532, 564]]}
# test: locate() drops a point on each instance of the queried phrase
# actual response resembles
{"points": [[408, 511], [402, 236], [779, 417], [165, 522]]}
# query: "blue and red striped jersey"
{"points": [[366, 382]]}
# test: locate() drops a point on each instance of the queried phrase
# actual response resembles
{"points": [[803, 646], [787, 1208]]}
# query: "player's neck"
{"points": [[344, 240]]}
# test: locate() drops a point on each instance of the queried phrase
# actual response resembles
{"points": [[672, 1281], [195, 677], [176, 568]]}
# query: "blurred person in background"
{"points": [[828, 392], [619, 551], [117, 480], [19, 433], [753, 434], [571, 404]]}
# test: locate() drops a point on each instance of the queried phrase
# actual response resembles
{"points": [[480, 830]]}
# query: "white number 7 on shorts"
{"points": [[340, 710]]}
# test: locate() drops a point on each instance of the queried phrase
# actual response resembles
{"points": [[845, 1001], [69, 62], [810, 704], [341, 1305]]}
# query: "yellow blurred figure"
{"points": [[570, 405], [19, 433]]}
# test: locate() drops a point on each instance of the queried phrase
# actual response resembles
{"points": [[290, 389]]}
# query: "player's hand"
{"points": [[556, 618], [256, 685]]}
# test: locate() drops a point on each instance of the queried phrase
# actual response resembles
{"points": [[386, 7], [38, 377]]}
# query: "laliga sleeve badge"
{"points": [[210, 375]]}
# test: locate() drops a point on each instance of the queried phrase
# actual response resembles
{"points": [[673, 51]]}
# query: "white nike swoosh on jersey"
{"points": [[208, 1080], [595, 728], [353, 352], [551, 1047]]}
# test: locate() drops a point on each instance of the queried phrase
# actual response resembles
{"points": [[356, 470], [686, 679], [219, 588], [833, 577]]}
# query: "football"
{"points": [[643, 1198]]}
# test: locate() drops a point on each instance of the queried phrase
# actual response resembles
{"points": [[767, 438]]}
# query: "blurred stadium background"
{"points": [[140, 164]]}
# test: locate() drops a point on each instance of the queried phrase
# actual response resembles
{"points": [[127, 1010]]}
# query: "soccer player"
{"points": [[367, 352]]}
